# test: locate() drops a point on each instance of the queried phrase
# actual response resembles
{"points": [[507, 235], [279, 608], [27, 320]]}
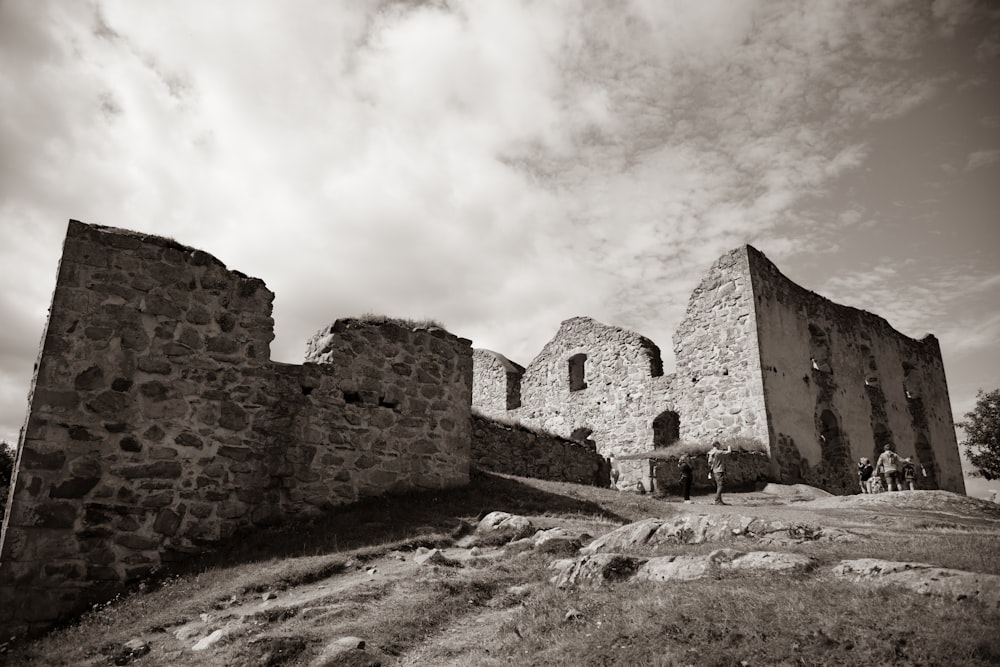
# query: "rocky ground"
{"points": [[756, 532]]}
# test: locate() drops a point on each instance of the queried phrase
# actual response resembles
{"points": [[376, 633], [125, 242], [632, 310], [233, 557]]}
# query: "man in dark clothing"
{"points": [[685, 467]]}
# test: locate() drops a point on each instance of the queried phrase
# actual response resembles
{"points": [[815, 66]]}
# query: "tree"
{"points": [[982, 430], [6, 473]]}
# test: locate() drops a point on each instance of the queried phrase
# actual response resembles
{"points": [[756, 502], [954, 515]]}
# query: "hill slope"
{"points": [[407, 581]]}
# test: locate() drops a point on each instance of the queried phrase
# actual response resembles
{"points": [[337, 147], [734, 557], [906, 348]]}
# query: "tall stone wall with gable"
{"points": [[624, 387], [158, 425], [841, 382], [719, 391]]}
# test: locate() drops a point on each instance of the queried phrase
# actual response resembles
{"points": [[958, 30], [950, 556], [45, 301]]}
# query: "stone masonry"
{"points": [[158, 425], [760, 361], [516, 450]]}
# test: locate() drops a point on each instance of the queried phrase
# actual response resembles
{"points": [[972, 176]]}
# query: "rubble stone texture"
{"points": [[759, 359], [158, 425], [515, 450]]}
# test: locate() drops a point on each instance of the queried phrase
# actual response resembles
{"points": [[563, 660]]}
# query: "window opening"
{"points": [[577, 372]]}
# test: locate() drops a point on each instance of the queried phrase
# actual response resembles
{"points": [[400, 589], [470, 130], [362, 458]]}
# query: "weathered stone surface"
{"points": [[594, 570], [923, 579], [513, 450], [652, 535], [501, 526], [433, 557]]}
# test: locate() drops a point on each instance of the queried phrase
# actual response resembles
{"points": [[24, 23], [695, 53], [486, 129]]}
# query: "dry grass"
{"points": [[378, 318]]}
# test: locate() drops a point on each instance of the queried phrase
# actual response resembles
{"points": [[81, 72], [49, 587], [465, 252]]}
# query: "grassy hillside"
{"points": [[284, 597]]}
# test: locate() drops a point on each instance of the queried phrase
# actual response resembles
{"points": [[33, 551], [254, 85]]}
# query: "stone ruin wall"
{"points": [[624, 388], [516, 450], [718, 387], [497, 386], [157, 424], [841, 382], [744, 357]]}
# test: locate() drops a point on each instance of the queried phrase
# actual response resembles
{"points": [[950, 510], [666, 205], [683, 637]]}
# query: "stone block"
{"points": [[167, 522], [159, 469], [137, 542], [232, 416], [109, 404], [75, 487], [55, 515], [33, 459]]}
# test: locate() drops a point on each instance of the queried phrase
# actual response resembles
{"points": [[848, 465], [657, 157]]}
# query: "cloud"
{"points": [[498, 166], [983, 158]]}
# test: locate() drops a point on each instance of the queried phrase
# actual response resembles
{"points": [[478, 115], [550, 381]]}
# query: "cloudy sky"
{"points": [[503, 165]]}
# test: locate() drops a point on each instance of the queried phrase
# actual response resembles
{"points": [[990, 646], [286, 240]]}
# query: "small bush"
{"points": [[739, 443]]}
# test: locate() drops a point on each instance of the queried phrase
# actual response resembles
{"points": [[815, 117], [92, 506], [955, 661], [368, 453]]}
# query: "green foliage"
{"points": [[982, 430]]}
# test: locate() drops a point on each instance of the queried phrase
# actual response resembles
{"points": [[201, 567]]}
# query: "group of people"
{"points": [[891, 472], [716, 463]]}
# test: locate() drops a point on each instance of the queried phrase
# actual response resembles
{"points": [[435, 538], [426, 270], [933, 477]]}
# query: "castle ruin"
{"points": [[158, 425], [817, 385]]}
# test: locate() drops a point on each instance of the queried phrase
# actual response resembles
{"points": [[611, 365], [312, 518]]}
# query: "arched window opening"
{"points": [[666, 428], [577, 372]]}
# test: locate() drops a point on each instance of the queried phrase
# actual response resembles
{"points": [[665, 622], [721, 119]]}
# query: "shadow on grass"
{"points": [[430, 518]]}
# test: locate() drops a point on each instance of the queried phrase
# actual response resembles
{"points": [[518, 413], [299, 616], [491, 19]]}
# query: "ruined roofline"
{"points": [[76, 228], [656, 356], [755, 255], [508, 365]]}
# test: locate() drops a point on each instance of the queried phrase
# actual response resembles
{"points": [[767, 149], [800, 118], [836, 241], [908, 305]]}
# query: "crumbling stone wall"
{"points": [[841, 382], [816, 384], [595, 383], [158, 424], [517, 450], [497, 388], [718, 390]]}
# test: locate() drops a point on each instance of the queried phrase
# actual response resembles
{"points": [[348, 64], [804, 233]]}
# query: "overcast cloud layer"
{"points": [[501, 166]]}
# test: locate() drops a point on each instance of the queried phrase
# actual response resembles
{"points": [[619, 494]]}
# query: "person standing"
{"points": [[717, 462], [909, 473], [865, 471], [888, 466], [686, 473]]}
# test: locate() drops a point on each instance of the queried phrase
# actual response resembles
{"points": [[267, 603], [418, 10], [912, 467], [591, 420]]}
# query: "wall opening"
{"points": [[925, 458], [513, 391], [577, 372], [666, 428], [910, 381], [837, 468], [819, 349]]}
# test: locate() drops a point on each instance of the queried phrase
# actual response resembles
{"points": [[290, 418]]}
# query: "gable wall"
{"points": [[622, 396]]}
